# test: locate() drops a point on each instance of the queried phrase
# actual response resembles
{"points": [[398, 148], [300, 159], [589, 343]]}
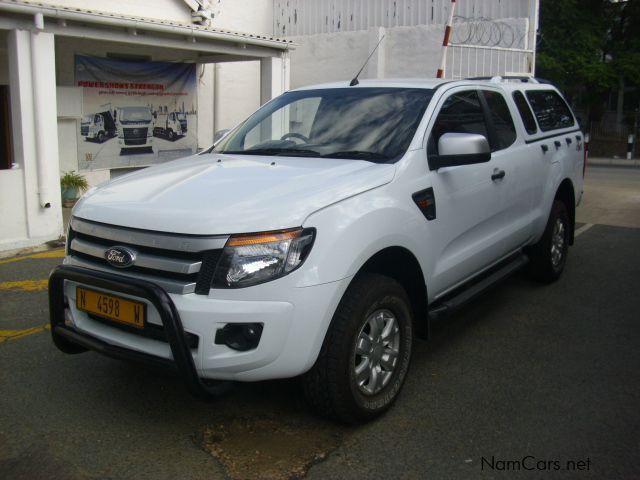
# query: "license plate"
{"points": [[111, 307]]}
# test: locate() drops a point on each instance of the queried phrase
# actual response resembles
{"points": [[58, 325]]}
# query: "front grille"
{"points": [[178, 263], [135, 141], [135, 136], [84, 131]]}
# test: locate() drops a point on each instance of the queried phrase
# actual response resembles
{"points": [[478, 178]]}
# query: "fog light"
{"points": [[240, 336]]}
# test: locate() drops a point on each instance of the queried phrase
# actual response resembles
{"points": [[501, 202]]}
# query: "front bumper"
{"points": [[64, 333], [295, 321]]}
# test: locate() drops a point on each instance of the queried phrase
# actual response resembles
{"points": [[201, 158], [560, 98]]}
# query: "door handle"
{"points": [[545, 149], [557, 144], [497, 174]]}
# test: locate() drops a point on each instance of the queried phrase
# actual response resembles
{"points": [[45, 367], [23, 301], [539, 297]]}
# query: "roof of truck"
{"points": [[508, 83], [385, 82]]}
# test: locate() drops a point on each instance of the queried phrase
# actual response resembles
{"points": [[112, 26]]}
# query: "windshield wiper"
{"points": [[357, 154], [289, 152]]}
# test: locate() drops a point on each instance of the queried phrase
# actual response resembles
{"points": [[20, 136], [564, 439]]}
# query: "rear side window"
{"points": [[525, 113], [550, 109], [503, 128], [461, 113]]}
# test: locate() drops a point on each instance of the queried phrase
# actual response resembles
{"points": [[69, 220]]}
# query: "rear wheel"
{"points": [[549, 255], [365, 356]]}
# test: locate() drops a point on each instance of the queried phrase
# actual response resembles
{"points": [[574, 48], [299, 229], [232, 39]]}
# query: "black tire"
{"points": [[100, 137], [330, 386], [171, 135], [549, 256]]}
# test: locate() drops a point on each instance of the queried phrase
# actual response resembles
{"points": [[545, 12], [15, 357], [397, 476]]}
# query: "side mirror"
{"points": [[460, 149], [220, 134]]}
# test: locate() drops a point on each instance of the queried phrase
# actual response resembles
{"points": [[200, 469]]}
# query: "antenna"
{"points": [[355, 81]]}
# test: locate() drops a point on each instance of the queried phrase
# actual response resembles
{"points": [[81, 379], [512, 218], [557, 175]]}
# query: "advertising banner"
{"points": [[135, 113]]}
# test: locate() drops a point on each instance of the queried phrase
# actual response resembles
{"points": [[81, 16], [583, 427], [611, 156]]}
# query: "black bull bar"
{"points": [[71, 340]]}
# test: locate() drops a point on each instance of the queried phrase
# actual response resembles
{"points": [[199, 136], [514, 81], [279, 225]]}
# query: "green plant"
{"points": [[73, 181]]}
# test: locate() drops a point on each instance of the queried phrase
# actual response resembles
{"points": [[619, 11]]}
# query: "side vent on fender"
{"points": [[426, 202]]}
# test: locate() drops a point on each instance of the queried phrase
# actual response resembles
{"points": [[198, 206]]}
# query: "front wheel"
{"points": [[549, 255], [365, 355]]}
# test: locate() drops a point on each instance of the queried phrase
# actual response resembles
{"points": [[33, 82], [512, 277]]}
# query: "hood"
{"points": [[221, 194]]}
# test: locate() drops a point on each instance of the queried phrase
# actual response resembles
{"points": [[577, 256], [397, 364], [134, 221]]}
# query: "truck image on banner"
{"points": [[135, 113], [170, 126], [98, 126]]}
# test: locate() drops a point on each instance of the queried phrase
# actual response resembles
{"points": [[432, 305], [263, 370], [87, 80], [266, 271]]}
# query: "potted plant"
{"points": [[72, 185]]}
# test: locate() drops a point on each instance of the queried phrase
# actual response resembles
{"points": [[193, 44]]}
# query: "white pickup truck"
{"points": [[320, 236]]}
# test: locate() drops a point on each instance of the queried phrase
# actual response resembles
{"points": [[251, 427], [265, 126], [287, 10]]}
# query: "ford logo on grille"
{"points": [[136, 132], [120, 257]]}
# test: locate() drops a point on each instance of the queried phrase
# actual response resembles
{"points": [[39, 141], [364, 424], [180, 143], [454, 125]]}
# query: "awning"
{"points": [[211, 44]]}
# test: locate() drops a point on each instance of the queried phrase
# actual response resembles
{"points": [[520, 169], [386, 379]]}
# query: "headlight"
{"points": [[257, 258]]}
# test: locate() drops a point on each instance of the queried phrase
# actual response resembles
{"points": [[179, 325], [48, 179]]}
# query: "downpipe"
{"points": [[39, 89]]}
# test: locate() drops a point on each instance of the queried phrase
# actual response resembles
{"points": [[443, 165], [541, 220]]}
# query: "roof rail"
{"points": [[501, 78]]}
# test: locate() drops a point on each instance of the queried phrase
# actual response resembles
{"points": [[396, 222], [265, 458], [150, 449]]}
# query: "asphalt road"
{"points": [[541, 377]]}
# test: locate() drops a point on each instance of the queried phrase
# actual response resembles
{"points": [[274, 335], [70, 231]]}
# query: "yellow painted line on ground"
{"points": [[57, 253], [6, 335], [25, 285]]}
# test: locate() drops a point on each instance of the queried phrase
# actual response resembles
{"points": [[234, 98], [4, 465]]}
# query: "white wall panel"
{"points": [[309, 17], [406, 52]]}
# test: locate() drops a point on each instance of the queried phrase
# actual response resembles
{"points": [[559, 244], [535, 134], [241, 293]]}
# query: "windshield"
{"points": [[135, 114], [375, 124]]}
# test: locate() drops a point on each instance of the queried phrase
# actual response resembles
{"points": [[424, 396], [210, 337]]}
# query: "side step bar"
{"points": [[465, 294]]}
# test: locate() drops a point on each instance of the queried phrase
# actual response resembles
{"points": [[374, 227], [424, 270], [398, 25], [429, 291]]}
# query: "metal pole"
{"points": [[445, 42]]}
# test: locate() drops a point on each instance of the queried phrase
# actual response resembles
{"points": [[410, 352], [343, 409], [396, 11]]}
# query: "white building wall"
{"points": [[238, 84], [329, 57], [30, 204], [490, 37], [405, 52], [310, 17], [13, 223]]}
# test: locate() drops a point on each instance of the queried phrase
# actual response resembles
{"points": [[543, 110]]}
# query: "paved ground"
{"points": [[612, 197], [540, 375]]}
